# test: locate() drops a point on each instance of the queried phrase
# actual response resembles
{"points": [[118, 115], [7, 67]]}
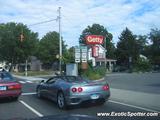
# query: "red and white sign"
{"points": [[95, 51], [94, 39]]}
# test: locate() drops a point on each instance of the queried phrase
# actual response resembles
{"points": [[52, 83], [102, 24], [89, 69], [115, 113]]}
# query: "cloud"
{"points": [[138, 15]]}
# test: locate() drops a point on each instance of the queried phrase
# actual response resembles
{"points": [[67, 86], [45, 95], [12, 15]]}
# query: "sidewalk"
{"points": [[37, 78], [147, 100]]}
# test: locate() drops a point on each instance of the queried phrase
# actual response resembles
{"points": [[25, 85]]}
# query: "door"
{"points": [[45, 89], [52, 88]]}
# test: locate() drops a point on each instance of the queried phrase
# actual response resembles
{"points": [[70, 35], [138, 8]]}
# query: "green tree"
{"points": [[142, 44], [49, 48], [12, 49], [97, 29], [154, 36], [142, 65], [127, 47], [68, 56]]}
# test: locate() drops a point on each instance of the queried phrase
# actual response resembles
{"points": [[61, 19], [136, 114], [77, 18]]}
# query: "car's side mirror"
{"points": [[56, 73], [42, 81]]}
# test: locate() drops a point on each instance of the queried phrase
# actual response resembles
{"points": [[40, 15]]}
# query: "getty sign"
{"points": [[94, 39]]}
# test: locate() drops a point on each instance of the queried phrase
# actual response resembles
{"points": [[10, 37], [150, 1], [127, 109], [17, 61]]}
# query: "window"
{"points": [[74, 79], [51, 80], [4, 76]]}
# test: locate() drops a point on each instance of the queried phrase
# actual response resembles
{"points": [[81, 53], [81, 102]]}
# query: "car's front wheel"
{"points": [[61, 100]]}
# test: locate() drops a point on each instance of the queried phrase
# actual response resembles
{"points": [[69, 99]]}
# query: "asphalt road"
{"points": [[29, 106], [142, 82]]}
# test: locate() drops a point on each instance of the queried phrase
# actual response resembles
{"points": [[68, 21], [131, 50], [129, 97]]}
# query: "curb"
{"points": [[29, 78]]}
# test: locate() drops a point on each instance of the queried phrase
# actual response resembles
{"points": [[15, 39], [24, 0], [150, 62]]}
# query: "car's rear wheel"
{"points": [[61, 100]]}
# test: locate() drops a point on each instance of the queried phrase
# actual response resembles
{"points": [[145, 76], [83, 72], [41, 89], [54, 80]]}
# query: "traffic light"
{"points": [[21, 37]]}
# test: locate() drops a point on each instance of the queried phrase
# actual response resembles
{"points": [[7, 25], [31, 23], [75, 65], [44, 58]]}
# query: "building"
{"points": [[100, 60], [33, 65]]}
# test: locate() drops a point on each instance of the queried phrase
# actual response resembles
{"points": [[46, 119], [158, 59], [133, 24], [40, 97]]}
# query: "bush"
{"points": [[94, 73], [142, 65]]}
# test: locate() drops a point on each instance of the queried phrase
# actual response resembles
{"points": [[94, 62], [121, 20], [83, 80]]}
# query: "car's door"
{"points": [[52, 88], [45, 87]]}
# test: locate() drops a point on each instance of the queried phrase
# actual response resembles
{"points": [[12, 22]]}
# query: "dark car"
{"points": [[9, 87], [63, 117], [73, 90], [120, 69]]}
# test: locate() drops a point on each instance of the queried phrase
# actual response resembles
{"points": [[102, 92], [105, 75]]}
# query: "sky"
{"points": [[115, 15]]}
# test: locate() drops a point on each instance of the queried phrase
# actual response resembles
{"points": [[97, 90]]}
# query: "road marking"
{"points": [[134, 106], [29, 81], [22, 82], [32, 109], [33, 93]]}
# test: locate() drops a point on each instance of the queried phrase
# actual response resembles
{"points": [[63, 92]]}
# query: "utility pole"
{"points": [[26, 69], [60, 41], [105, 50]]}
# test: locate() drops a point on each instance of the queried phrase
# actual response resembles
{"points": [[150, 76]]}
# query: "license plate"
{"points": [[95, 96], [3, 88]]}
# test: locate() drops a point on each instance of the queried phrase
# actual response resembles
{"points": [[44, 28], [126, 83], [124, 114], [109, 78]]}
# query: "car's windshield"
{"points": [[4, 76], [75, 79]]}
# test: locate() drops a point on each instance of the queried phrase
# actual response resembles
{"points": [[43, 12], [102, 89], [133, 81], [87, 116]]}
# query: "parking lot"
{"points": [[30, 106]]}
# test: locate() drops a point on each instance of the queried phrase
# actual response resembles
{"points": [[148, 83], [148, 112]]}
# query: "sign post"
{"points": [[81, 55], [95, 51], [84, 57], [94, 39], [77, 54], [84, 52]]}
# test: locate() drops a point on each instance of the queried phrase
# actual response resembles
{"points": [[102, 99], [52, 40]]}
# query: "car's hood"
{"points": [[63, 117]]}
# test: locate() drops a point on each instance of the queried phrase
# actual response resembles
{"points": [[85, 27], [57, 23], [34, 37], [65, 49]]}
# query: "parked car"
{"points": [[156, 68], [73, 90], [120, 69], [9, 87]]}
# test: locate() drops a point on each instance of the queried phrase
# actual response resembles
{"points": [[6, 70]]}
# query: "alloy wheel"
{"points": [[61, 100]]}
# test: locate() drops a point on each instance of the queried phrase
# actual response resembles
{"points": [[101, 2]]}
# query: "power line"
{"points": [[43, 22]]}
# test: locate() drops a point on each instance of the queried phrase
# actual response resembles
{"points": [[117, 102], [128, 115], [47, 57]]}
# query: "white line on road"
{"points": [[22, 82], [32, 109], [29, 81], [134, 106], [33, 93]]}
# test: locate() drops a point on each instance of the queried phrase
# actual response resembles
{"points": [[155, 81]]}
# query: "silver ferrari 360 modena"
{"points": [[73, 90]]}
